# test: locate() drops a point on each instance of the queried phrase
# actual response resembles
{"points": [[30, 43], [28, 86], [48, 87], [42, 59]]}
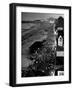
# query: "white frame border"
{"points": [[25, 80]]}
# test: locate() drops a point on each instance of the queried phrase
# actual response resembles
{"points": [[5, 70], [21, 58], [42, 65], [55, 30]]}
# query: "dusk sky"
{"points": [[37, 16]]}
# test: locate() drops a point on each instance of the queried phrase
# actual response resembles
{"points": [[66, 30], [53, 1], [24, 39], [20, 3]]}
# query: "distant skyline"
{"points": [[39, 16]]}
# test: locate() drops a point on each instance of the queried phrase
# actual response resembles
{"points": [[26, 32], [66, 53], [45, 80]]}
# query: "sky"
{"points": [[37, 16]]}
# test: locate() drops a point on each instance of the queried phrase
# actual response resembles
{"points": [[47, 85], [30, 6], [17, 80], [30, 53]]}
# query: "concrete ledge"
{"points": [[60, 53]]}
